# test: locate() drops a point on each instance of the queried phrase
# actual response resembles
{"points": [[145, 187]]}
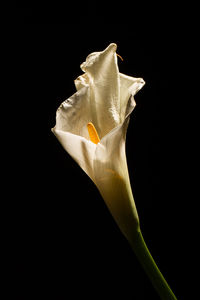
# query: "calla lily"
{"points": [[91, 125], [105, 98]]}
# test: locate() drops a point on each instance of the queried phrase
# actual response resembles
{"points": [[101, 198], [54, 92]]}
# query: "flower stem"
{"points": [[160, 284]]}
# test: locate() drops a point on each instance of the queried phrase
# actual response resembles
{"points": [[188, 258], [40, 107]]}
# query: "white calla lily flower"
{"points": [[104, 100], [91, 126]]}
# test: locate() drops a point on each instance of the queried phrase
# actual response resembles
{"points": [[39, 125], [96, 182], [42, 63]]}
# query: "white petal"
{"points": [[80, 149], [102, 71], [129, 86], [74, 114], [112, 179], [81, 81]]}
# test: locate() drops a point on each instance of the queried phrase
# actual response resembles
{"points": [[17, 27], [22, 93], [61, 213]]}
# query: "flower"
{"points": [[104, 100]]}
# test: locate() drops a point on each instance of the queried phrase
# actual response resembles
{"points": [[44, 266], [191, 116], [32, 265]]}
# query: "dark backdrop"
{"points": [[65, 244]]}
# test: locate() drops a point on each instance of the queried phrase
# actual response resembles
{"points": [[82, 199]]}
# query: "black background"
{"points": [[65, 244]]}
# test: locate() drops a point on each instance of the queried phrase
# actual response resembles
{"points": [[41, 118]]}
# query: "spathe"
{"points": [[104, 97]]}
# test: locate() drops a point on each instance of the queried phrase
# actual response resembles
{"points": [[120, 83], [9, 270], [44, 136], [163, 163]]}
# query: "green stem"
{"points": [[160, 284]]}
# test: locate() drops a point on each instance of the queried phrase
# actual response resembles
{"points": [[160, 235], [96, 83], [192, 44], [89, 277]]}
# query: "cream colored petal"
{"points": [[74, 114], [102, 71], [81, 81], [80, 149], [112, 179], [129, 86]]}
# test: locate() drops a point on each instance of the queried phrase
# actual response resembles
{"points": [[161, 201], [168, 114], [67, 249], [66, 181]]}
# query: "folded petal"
{"points": [[74, 114], [80, 149], [129, 86], [103, 78], [112, 179], [81, 81]]}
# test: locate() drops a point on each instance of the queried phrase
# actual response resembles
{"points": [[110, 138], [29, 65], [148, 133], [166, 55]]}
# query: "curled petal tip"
{"points": [[111, 48]]}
